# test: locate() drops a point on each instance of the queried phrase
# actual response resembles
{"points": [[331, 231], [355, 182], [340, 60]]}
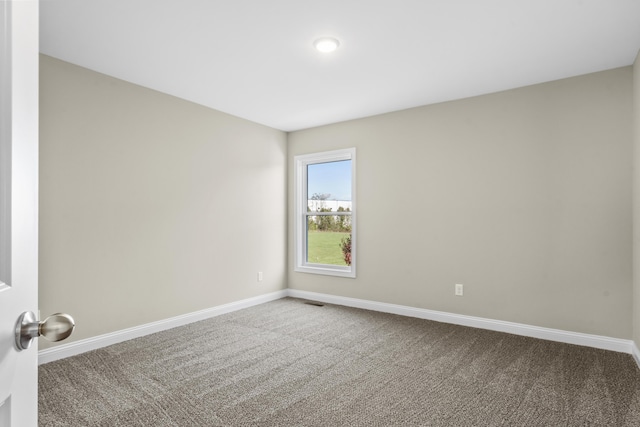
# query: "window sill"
{"points": [[327, 270]]}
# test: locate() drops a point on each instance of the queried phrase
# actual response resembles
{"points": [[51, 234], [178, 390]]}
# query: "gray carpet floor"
{"points": [[287, 363]]}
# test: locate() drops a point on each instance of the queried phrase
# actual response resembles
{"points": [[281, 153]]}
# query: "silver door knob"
{"points": [[54, 328]]}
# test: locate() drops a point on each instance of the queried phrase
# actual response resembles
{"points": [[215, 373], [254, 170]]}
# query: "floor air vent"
{"points": [[317, 304]]}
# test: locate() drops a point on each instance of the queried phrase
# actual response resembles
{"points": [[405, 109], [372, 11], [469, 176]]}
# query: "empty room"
{"points": [[293, 213]]}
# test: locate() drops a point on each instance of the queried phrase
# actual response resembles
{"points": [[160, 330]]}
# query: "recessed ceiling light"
{"points": [[326, 44]]}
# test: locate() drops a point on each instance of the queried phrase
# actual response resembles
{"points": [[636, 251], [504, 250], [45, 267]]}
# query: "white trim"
{"points": [[596, 341], [74, 348], [577, 338], [635, 353]]}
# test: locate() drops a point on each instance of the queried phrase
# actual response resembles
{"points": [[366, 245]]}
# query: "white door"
{"points": [[18, 207]]}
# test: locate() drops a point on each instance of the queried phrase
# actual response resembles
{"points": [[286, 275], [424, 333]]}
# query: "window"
{"points": [[325, 219]]}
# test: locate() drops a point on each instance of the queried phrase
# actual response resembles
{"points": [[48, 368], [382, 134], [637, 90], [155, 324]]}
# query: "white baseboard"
{"points": [[614, 344], [636, 353], [596, 341], [66, 350]]}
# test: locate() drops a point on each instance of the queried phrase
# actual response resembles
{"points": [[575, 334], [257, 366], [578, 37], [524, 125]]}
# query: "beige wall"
{"points": [[151, 206], [636, 201], [522, 196]]}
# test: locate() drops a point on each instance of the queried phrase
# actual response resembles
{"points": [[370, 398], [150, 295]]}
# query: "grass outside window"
{"points": [[324, 247]]}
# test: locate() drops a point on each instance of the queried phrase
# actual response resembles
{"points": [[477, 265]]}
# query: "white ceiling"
{"points": [[255, 58]]}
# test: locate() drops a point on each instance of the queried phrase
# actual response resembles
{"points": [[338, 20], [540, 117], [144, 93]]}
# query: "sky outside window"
{"points": [[332, 178]]}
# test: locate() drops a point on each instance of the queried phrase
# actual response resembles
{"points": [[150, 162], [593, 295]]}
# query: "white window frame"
{"points": [[301, 214]]}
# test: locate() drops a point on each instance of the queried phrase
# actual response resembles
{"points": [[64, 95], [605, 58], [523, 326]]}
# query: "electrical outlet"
{"points": [[259, 276], [459, 290]]}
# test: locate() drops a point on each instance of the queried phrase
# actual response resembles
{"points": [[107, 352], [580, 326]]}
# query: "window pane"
{"points": [[326, 244], [329, 186], [328, 190]]}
